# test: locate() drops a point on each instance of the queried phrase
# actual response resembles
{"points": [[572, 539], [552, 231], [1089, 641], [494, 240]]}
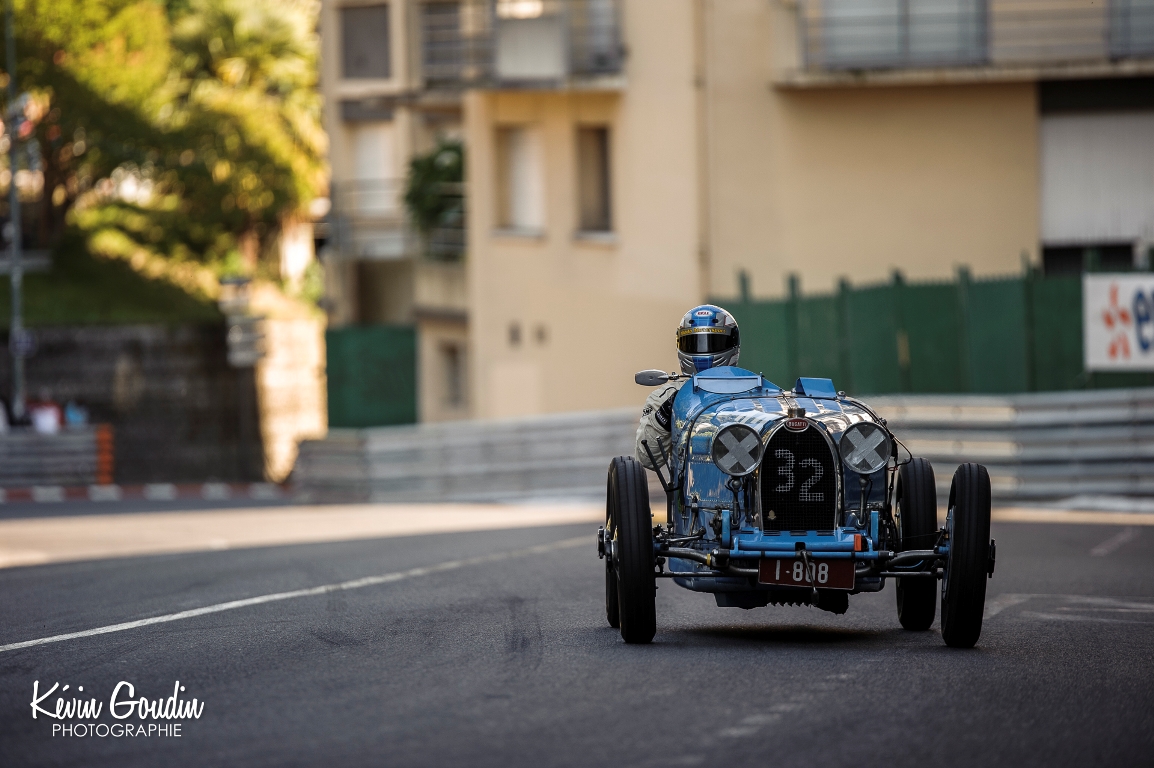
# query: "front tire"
{"points": [[628, 509], [918, 509], [967, 567]]}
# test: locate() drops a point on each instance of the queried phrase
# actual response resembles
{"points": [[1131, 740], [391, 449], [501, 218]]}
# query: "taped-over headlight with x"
{"points": [[737, 450], [865, 447]]}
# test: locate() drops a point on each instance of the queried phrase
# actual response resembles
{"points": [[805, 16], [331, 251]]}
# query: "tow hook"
{"points": [[993, 559]]}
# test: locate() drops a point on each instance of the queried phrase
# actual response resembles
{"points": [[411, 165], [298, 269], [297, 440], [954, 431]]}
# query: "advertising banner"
{"points": [[1118, 321]]}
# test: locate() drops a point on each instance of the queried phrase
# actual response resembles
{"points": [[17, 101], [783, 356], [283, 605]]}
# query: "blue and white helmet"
{"points": [[707, 337]]}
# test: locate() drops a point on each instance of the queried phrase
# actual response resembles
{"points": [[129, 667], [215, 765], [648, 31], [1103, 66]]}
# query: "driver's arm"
{"points": [[656, 420]]}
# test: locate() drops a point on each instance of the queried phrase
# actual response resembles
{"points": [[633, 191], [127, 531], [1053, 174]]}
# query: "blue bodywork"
{"points": [[702, 493]]}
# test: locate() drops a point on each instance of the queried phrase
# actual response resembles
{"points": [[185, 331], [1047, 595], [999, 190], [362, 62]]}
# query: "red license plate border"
{"points": [[780, 571]]}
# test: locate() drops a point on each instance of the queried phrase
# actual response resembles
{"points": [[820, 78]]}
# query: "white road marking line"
{"points": [[367, 581], [996, 605], [1109, 604], [1120, 539], [1069, 617], [1000, 603]]}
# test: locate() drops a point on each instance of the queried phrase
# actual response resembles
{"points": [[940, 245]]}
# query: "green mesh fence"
{"points": [[999, 335], [372, 375], [996, 335]]}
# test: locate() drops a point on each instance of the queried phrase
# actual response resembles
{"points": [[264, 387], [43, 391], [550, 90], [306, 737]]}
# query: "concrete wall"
{"points": [[291, 392], [179, 412]]}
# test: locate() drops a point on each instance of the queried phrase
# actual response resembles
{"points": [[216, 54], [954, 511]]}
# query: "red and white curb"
{"points": [[149, 492]]}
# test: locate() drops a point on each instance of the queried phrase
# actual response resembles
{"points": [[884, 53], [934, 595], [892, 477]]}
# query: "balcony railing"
{"points": [[893, 34], [519, 42], [368, 220]]}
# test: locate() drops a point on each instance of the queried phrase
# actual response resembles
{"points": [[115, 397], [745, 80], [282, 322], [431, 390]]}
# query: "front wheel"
{"points": [[967, 566], [632, 534], [918, 512]]}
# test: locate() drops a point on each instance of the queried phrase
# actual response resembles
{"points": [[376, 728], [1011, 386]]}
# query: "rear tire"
{"points": [[964, 584], [633, 541], [917, 500]]}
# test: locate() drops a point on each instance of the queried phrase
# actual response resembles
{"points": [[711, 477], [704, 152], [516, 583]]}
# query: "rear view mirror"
{"points": [[652, 378]]}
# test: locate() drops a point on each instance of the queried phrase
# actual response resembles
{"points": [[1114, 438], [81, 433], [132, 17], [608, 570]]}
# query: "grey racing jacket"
{"points": [[656, 421]]}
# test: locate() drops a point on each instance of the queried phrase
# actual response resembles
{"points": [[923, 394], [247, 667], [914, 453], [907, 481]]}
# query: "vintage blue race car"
{"points": [[796, 497]]}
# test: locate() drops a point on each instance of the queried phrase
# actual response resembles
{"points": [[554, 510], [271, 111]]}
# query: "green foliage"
{"points": [[84, 290], [312, 286], [190, 128], [433, 195]]}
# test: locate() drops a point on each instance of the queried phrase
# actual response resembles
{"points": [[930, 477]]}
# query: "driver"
{"points": [[707, 337]]}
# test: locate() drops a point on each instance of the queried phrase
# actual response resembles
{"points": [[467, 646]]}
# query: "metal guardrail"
{"points": [[888, 34], [468, 43], [559, 456], [70, 457], [1036, 446], [368, 220]]}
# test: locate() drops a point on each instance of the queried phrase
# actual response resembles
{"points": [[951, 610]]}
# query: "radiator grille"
{"points": [[798, 482]]}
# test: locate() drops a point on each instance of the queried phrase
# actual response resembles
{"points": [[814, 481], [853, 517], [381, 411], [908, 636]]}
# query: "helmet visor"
{"points": [[706, 341]]}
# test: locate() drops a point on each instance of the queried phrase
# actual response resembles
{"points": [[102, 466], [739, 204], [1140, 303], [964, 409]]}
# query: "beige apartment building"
{"points": [[382, 108], [630, 158]]}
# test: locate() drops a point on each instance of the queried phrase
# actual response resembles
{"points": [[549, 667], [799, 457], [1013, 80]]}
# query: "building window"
{"points": [[453, 366], [520, 187], [593, 180], [365, 45]]}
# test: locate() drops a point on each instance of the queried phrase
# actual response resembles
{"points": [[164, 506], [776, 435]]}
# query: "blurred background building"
{"points": [[898, 194], [395, 294], [514, 201], [627, 160]]}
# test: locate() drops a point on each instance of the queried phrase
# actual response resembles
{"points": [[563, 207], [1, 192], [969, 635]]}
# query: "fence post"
{"points": [[902, 337], [843, 335], [964, 327], [1029, 273], [792, 323]]}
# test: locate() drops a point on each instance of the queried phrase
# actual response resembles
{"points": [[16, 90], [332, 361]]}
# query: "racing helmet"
{"points": [[707, 337]]}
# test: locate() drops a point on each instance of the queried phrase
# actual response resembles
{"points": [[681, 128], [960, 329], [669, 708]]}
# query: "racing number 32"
{"points": [[785, 470]]}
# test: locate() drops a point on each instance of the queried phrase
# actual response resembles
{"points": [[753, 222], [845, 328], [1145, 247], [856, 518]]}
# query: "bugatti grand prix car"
{"points": [[792, 497]]}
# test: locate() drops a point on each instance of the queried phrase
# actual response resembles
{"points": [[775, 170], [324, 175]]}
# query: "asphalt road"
{"points": [[510, 662]]}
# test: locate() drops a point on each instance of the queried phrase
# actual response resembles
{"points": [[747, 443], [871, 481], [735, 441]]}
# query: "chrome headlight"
{"points": [[736, 449], [865, 447]]}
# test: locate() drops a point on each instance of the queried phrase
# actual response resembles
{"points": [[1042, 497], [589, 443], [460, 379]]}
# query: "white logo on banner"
{"points": [[1118, 322]]}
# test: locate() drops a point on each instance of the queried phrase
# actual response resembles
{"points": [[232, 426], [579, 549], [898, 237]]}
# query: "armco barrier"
{"points": [[563, 455], [70, 457], [1036, 446]]}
